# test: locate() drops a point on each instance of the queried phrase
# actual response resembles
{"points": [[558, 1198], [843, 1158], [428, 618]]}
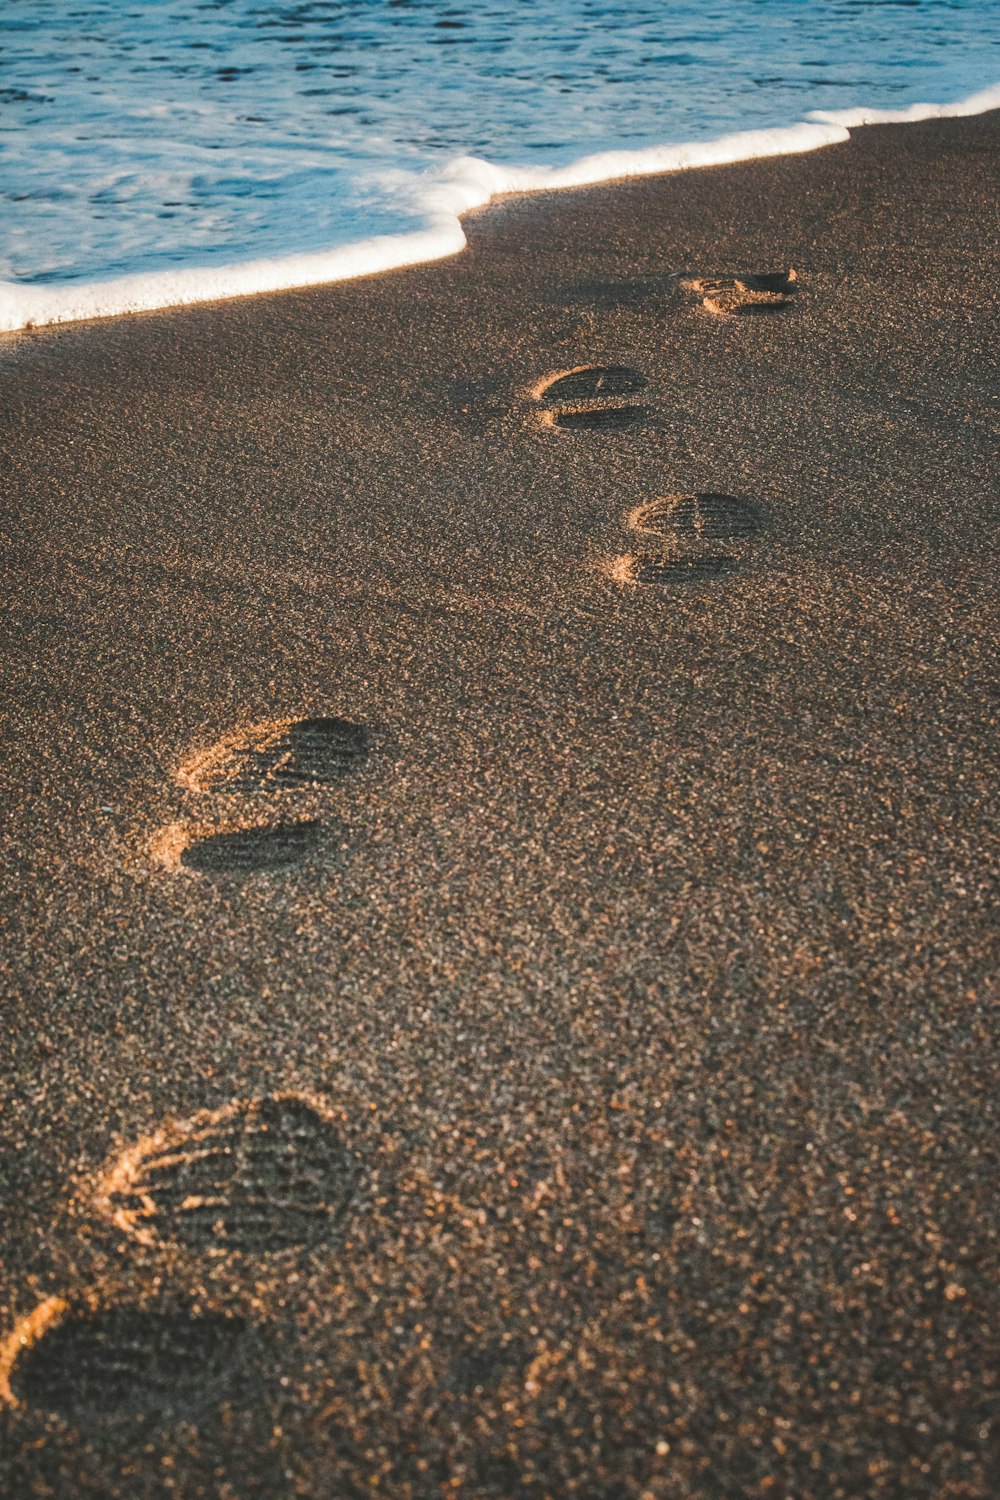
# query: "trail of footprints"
{"points": [[275, 1176], [258, 1178], [701, 538]]}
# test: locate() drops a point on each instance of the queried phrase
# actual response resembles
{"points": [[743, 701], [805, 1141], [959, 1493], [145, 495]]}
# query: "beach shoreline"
{"points": [[627, 986], [449, 193]]}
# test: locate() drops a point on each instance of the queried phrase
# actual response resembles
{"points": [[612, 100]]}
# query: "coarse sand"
{"points": [[500, 821]]}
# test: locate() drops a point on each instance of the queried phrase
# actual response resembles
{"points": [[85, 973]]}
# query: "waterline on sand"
{"points": [[443, 195]]}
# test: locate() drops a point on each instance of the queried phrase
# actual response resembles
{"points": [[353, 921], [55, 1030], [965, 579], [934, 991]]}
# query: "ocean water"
{"points": [[165, 151]]}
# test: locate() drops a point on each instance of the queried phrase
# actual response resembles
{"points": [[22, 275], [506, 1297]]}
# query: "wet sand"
{"points": [[598, 1095]]}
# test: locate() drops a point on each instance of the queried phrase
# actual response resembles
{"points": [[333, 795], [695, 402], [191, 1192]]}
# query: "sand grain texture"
{"points": [[649, 981]]}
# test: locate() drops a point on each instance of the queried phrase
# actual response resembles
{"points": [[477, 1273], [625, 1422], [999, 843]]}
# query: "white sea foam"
{"points": [[461, 186], [205, 152], [67, 302], [974, 104], [444, 193]]}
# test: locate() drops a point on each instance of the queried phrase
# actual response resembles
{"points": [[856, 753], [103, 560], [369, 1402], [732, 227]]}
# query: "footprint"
{"points": [[593, 397], [285, 754], [280, 756], [123, 1359], [259, 1177], [710, 515], [239, 851], [688, 525], [730, 296]]}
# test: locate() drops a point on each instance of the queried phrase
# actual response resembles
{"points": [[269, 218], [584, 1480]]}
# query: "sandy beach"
{"points": [[585, 1085]]}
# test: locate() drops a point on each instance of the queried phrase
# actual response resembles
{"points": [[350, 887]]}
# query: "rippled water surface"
{"points": [[161, 133]]}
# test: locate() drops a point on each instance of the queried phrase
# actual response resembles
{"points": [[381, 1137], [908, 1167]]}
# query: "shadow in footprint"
{"points": [[259, 1177], [127, 1361], [599, 418], [591, 397], [285, 755], [252, 851]]}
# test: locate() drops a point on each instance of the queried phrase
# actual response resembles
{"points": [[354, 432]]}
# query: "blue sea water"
{"points": [[165, 135]]}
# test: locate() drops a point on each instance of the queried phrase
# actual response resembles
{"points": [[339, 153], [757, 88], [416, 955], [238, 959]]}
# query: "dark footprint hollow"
{"points": [[710, 515], [782, 282], [263, 1177], [599, 418], [592, 383], [285, 755], [684, 570], [130, 1361], [311, 751], [248, 851]]}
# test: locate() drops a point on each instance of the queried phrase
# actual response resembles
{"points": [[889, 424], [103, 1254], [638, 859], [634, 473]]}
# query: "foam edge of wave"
{"points": [[445, 194]]}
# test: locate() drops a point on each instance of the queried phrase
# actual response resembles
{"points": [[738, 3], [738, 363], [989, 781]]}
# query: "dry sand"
{"points": [[627, 1011]]}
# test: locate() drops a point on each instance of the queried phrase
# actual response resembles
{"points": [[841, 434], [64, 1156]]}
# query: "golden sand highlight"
{"points": [[27, 1331], [210, 769], [652, 514], [537, 391], [620, 570]]}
